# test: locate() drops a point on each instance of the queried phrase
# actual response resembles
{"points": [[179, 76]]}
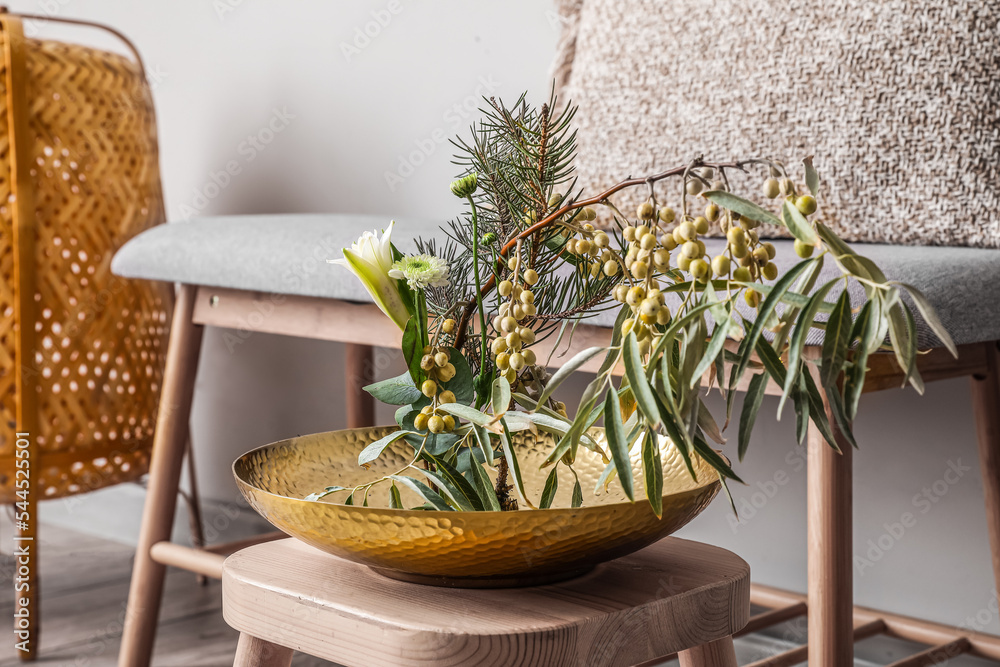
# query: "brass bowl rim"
{"points": [[716, 480]]}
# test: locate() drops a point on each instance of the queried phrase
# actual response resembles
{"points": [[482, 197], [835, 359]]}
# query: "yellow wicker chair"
{"points": [[81, 351]]}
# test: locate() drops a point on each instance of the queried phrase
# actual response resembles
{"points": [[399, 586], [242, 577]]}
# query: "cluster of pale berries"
{"points": [[509, 347], [592, 247], [650, 248], [439, 368]]}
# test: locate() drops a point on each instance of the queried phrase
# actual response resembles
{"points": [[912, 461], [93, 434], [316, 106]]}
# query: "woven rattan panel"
{"points": [[899, 100], [100, 339]]}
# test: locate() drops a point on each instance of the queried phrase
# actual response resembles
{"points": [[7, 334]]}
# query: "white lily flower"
{"points": [[370, 259]]}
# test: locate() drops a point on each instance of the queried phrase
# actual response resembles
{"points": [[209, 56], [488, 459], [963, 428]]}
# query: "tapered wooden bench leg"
{"points": [[195, 524], [719, 653], [986, 405], [359, 372], [253, 652], [169, 443], [831, 581]]}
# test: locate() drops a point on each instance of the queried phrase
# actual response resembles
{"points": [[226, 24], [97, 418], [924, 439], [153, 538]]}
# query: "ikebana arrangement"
{"points": [[526, 261]]}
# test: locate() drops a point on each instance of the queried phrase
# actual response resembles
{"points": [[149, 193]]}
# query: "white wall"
{"points": [[354, 117]]}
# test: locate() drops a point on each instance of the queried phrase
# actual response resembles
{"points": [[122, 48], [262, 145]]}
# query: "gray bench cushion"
{"points": [[287, 254]]}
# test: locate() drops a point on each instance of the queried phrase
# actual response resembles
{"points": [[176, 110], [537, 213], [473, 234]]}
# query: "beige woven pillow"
{"points": [[898, 100]]}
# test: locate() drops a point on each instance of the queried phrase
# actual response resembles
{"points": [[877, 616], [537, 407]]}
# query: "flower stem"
{"points": [[479, 293]]}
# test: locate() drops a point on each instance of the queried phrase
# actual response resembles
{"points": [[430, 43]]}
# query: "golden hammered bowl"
{"points": [[467, 549]]}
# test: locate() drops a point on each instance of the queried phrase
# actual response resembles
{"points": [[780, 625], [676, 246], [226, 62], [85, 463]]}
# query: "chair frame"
{"points": [[834, 623]]}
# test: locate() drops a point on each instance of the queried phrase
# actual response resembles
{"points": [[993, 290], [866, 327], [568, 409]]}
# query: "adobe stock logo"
{"points": [[875, 549], [453, 118], [363, 35]]}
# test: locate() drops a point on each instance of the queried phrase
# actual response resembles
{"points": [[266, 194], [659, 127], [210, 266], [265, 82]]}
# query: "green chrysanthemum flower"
{"points": [[421, 271]]}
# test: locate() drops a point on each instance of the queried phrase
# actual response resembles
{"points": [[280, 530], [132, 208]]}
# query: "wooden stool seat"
{"points": [[673, 596]]}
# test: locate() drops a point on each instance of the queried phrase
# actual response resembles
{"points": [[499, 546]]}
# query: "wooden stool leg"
{"points": [[359, 372], [986, 405], [253, 652], [831, 580], [719, 653], [169, 443], [195, 525]]}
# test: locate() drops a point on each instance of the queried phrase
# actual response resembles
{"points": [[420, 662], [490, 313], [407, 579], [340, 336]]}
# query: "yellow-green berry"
{"points": [[806, 205], [771, 188], [804, 250]]}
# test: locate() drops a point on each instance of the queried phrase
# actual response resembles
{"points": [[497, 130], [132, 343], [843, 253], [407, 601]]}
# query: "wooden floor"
{"points": [[84, 586]]}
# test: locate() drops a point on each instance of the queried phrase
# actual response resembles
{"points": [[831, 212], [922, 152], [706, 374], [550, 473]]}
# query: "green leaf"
{"points": [[413, 350], [652, 472], [374, 450], [817, 411], [550, 421], [483, 384], [605, 478], [395, 500], [751, 406], [487, 494], [459, 484], [556, 426], [325, 492], [714, 349], [512, 466], [854, 384], [637, 381], [399, 390], [742, 206], [678, 435], [904, 344], [469, 414], [798, 342], [567, 370], [804, 285], [771, 361], [800, 400], [716, 460], [519, 421], [482, 437], [437, 444], [721, 285], [797, 223], [405, 411], [500, 396], [706, 422], [617, 442], [931, 317], [812, 178], [850, 260], [840, 417], [551, 486], [577, 492], [836, 341], [458, 499], [766, 308], [424, 491], [614, 351], [462, 384]]}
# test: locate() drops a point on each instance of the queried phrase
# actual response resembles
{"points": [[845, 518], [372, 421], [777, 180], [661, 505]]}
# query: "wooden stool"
{"points": [[674, 596]]}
